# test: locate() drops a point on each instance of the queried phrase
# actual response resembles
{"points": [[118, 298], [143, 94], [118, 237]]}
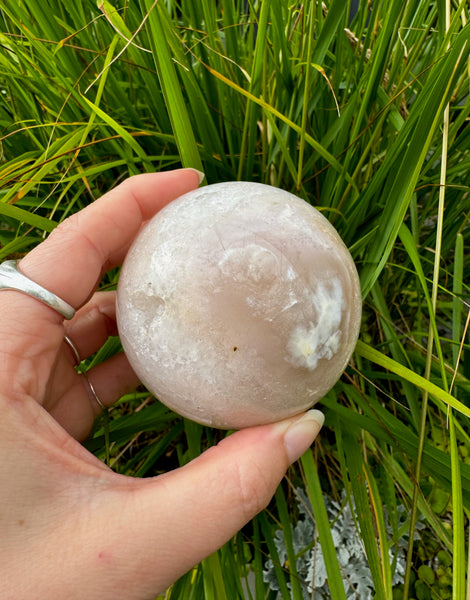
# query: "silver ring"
{"points": [[93, 392], [78, 360], [11, 278]]}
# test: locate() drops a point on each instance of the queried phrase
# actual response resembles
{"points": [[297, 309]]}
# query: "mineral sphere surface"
{"points": [[238, 304]]}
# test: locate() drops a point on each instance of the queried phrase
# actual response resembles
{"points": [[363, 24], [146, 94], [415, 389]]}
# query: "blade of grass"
{"points": [[121, 131], [174, 99], [24, 216], [468, 564], [379, 526], [410, 246], [397, 349], [432, 338], [247, 146], [406, 157], [458, 567], [158, 449], [456, 301], [305, 104], [214, 586], [267, 531], [257, 565], [18, 244], [43, 166], [425, 509], [329, 31], [275, 113], [366, 351], [205, 128], [322, 522], [357, 478], [315, 55], [458, 517], [286, 524], [391, 430]]}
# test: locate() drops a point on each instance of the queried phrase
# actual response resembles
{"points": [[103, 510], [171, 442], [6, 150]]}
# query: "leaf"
{"points": [[176, 106], [436, 392], [24, 216], [312, 481]]}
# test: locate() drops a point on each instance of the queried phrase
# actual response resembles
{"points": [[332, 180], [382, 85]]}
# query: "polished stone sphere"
{"points": [[238, 304]]}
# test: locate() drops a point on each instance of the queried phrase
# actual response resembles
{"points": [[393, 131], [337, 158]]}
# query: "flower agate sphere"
{"points": [[238, 304]]}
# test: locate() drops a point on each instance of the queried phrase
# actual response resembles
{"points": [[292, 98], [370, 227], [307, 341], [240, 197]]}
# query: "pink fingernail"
{"points": [[301, 434]]}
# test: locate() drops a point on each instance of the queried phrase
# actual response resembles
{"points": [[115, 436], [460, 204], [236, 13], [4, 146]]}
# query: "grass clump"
{"points": [[362, 109]]}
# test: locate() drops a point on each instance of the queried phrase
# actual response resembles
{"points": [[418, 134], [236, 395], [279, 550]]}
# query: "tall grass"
{"points": [[364, 115]]}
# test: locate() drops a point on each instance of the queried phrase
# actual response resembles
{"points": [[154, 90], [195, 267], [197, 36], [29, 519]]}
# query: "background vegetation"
{"points": [[363, 111]]}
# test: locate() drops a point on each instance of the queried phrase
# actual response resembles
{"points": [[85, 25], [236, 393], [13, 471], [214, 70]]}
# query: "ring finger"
{"points": [[78, 407], [93, 324]]}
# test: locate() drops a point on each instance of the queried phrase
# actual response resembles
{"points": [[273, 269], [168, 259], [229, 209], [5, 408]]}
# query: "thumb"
{"points": [[170, 523]]}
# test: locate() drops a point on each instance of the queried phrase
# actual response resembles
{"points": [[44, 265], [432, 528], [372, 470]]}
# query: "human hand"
{"points": [[69, 526]]}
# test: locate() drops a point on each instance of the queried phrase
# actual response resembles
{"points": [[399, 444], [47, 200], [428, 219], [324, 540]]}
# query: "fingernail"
{"points": [[301, 434], [200, 174]]}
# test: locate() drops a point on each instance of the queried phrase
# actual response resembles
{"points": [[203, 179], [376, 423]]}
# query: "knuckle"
{"points": [[251, 488], [70, 224]]}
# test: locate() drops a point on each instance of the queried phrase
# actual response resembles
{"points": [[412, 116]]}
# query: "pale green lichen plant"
{"points": [[357, 579]]}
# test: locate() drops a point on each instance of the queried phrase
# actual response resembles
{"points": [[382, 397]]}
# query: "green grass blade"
{"points": [[458, 518], [410, 246], [247, 146], [404, 161], [24, 216], [379, 525], [276, 114], [315, 495], [126, 136], [214, 586], [176, 106], [457, 289], [357, 479], [281, 578], [438, 393], [286, 524], [396, 348]]}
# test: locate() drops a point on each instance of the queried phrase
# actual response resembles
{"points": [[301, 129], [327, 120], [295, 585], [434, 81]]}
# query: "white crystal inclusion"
{"points": [[308, 344]]}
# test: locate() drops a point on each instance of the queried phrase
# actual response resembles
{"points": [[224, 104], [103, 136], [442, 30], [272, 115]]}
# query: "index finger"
{"points": [[71, 261]]}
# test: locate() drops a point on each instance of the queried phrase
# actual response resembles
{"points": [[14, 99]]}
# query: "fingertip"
{"points": [[199, 174], [301, 433]]}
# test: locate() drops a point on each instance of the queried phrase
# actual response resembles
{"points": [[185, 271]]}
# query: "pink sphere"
{"points": [[239, 304]]}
